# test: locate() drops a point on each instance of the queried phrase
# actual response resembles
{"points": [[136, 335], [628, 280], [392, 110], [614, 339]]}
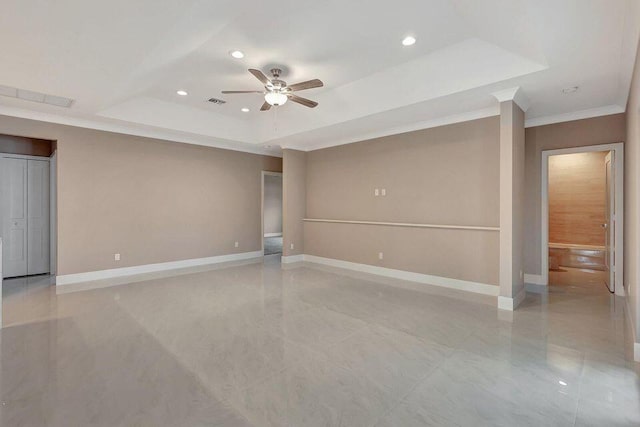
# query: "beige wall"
{"points": [[294, 165], [272, 204], [577, 198], [149, 200], [578, 133], [447, 175], [632, 201]]}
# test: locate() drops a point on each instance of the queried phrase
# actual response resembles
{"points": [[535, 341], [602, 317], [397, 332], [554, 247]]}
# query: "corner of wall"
{"points": [[294, 199]]}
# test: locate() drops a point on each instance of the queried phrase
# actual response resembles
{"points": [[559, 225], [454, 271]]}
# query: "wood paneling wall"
{"points": [[577, 198], [26, 146]]}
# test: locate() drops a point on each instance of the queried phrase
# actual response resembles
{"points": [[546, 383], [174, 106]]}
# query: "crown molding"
{"points": [[514, 94], [147, 132], [606, 110], [441, 121]]}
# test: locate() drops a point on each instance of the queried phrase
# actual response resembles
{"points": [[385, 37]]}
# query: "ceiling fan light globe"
{"points": [[275, 98]]}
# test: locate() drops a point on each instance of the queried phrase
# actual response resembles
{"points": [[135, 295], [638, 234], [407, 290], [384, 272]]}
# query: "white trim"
{"points": [[404, 224], [291, 259], [464, 117], [25, 157], [272, 234], [1, 291], [607, 110], [534, 279], [636, 344], [510, 304], [127, 129], [514, 94], [433, 123], [53, 213], [90, 276], [446, 282], [618, 149]]}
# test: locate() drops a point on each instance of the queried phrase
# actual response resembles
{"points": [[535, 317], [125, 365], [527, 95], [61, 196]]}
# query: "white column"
{"points": [[512, 107]]}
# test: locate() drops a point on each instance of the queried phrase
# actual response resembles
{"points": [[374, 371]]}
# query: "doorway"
{"points": [[582, 216], [27, 205], [272, 213]]}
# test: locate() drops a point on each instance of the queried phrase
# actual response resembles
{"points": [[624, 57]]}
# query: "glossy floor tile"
{"points": [[258, 345]]}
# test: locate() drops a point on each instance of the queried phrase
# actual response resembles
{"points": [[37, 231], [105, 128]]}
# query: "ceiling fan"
{"points": [[277, 92]]}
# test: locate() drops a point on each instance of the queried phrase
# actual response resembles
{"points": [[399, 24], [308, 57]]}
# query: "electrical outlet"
{"points": [[380, 255], [383, 192], [116, 257], [292, 246], [376, 192], [237, 244]]}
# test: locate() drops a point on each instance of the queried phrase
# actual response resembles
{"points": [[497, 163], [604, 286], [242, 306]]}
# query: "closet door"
{"points": [[38, 217], [13, 205]]}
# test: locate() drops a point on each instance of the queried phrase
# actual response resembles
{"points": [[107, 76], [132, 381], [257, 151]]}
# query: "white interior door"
{"points": [[610, 224], [14, 216], [38, 261]]}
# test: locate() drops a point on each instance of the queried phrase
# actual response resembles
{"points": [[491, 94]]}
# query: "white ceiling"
{"points": [[122, 62]]}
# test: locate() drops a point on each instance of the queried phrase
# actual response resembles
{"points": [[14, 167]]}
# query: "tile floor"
{"points": [[256, 345]]}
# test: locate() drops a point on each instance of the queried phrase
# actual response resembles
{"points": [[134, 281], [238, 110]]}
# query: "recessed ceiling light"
{"points": [[571, 89], [237, 54], [244, 110], [182, 93], [408, 41]]}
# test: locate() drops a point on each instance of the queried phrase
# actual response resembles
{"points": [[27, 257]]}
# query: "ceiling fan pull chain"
{"points": [[275, 120]]}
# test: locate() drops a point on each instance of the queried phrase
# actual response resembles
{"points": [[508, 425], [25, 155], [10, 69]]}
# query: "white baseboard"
{"points": [[291, 258], [510, 304], [535, 279], [272, 234], [90, 276], [463, 285]]}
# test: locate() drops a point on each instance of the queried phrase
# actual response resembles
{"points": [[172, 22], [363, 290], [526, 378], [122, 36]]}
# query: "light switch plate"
{"points": [[376, 192], [116, 257]]}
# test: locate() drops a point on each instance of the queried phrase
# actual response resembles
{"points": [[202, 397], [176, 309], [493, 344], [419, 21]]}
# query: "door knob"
{"points": [[605, 225]]}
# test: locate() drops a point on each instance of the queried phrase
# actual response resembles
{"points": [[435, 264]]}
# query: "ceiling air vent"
{"points": [[32, 96], [217, 101]]}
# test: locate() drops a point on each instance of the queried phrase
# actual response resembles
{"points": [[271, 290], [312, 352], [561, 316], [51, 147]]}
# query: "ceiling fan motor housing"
{"points": [[276, 72], [277, 84]]}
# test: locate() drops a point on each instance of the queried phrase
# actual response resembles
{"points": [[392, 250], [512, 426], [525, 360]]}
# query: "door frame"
{"points": [[263, 175], [53, 243], [618, 164]]}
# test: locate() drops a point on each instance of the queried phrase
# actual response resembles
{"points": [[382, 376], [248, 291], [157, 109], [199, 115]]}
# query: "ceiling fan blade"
{"points": [[303, 101], [260, 76], [265, 106], [309, 84], [242, 91]]}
